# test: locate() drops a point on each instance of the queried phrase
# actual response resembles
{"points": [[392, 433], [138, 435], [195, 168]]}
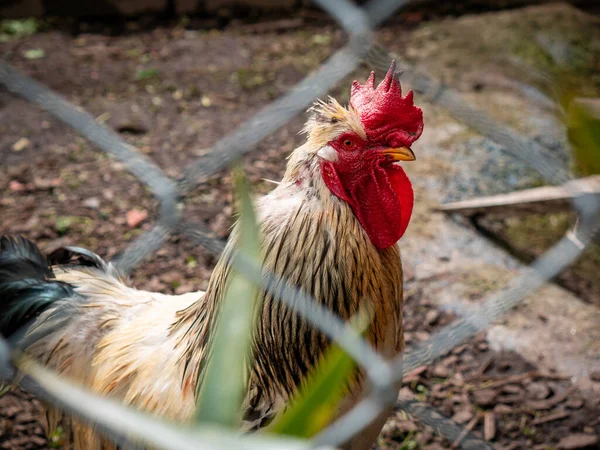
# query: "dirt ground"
{"points": [[173, 92]]}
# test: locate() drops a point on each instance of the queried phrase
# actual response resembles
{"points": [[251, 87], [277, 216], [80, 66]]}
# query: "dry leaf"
{"points": [[135, 217], [21, 144]]}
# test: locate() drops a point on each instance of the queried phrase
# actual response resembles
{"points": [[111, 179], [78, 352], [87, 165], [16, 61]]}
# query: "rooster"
{"points": [[330, 227]]}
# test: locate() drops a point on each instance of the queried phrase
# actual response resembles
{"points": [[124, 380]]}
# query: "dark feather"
{"points": [[27, 284], [20, 259], [76, 256]]}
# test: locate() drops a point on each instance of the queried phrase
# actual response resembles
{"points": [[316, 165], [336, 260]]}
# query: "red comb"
{"points": [[388, 118]]}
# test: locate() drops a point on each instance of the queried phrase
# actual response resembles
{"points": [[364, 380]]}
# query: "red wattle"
{"points": [[381, 198]]}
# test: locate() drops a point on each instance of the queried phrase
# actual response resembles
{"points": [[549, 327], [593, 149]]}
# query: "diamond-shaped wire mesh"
{"points": [[361, 47]]}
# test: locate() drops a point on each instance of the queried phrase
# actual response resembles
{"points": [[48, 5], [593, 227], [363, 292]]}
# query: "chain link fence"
{"points": [[361, 47]]}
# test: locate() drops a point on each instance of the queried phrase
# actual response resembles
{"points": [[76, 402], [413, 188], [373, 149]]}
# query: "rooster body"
{"points": [[319, 233]]}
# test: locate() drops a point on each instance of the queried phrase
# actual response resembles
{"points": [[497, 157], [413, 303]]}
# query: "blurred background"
{"points": [[172, 77]]}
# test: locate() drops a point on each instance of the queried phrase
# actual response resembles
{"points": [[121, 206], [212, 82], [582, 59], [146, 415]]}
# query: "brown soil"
{"points": [[190, 88]]}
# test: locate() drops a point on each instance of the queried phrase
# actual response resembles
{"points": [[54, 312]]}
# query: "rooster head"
{"points": [[358, 149]]}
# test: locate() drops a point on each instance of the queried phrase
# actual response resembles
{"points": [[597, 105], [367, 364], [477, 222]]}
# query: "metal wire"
{"points": [[358, 23]]}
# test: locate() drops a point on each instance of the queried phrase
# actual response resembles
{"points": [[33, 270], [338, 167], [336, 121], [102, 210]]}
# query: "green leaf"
{"points": [[224, 386], [34, 53], [62, 224], [146, 74], [317, 402], [22, 27], [191, 262]]}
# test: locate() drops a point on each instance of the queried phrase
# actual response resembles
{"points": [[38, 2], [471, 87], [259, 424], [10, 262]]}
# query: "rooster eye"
{"points": [[348, 143]]}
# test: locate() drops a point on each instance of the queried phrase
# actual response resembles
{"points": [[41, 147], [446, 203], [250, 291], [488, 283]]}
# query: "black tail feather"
{"points": [[27, 284], [21, 258], [76, 256]]}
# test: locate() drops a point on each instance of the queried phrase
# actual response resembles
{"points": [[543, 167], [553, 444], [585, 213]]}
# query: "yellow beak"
{"points": [[400, 154]]}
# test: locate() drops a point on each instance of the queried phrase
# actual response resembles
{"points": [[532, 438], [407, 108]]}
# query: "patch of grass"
{"points": [[62, 224], [134, 53], [249, 78], [421, 394], [528, 431], [14, 29], [583, 127], [146, 74], [409, 442], [4, 388], [191, 262], [34, 53]]}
